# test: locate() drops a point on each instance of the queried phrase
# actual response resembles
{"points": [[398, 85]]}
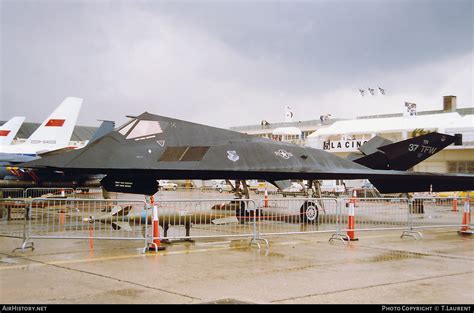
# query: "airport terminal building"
{"points": [[343, 137]]}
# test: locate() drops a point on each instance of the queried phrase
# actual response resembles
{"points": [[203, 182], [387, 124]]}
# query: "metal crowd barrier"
{"points": [[6, 193], [87, 219], [376, 213], [296, 216], [205, 218], [48, 192], [13, 214], [13, 220], [75, 218], [436, 212], [408, 214], [81, 192]]}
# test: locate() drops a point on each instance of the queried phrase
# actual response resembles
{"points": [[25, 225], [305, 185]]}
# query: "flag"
{"points": [[411, 109], [289, 114]]}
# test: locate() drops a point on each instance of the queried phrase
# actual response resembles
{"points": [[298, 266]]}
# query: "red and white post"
{"points": [[156, 243], [351, 218], [265, 200], [466, 217]]}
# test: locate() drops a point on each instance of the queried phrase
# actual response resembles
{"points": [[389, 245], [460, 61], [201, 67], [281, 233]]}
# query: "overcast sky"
{"points": [[228, 63]]}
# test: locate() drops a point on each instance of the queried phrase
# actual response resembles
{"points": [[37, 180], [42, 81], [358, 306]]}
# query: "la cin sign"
{"points": [[342, 145]]}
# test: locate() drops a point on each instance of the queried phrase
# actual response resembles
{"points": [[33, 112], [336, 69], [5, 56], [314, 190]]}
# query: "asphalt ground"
{"points": [[379, 268]]}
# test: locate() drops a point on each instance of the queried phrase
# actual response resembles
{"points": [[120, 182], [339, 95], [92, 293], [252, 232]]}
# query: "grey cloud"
{"points": [[225, 63]]}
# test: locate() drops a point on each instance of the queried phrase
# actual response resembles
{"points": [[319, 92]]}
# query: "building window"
{"points": [[465, 167]]}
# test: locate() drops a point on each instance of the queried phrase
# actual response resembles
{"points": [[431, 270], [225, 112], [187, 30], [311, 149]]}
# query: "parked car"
{"points": [[332, 187], [291, 211], [221, 187], [295, 189], [166, 185]]}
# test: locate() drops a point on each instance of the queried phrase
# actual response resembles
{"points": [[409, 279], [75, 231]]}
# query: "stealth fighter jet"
{"points": [[151, 147]]}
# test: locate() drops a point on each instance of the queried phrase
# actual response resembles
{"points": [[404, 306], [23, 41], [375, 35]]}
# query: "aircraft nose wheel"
{"points": [[309, 212]]}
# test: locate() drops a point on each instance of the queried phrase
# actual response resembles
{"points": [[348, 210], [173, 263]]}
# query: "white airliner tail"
{"points": [[9, 130], [56, 130]]}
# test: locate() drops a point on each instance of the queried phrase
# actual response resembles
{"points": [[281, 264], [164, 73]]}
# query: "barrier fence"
{"points": [[48, 192], [375, 213], [87, 218], [297, 215], [6, 193], [437, 212], [111, 219], [205, 218], [98, 193], [13, 220], [13, 215], [80, 192]]}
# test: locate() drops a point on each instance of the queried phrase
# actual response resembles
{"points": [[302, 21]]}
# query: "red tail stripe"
{"points": [[55, 123]]}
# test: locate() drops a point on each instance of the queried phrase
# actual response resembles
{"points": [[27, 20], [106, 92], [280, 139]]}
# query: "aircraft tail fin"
{"points": [[104, 129], [56, 130], [9, 130], [373, 144], [405, 154]]}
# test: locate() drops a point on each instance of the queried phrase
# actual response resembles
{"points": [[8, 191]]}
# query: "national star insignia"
{"points": [[284, 154]]}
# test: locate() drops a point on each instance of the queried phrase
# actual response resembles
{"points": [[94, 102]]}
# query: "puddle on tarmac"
{"points": [[133, 293], [275, 254], [396, 256], [239, 244], [8, 261]]}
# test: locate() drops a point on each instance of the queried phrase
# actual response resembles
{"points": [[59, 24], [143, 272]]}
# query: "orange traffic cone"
{"points": [[466, 218], [156, 244], [91, 242], [265, 200], [62, 217], [455, 205], [351, 219]]}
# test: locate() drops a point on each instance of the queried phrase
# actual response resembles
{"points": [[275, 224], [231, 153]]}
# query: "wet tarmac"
{"points": [[379, 268]]}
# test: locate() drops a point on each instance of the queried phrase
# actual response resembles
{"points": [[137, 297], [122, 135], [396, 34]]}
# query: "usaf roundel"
{"points": [[284, 154], [232, 155]]}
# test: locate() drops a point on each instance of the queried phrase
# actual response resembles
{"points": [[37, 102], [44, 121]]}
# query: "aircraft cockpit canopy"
{"points": [[140, 129]]}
